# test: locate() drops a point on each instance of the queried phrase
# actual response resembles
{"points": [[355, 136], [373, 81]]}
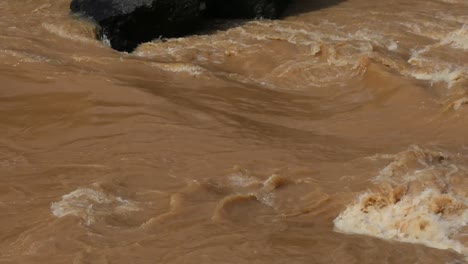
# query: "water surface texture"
{"points": [[336, 135]]}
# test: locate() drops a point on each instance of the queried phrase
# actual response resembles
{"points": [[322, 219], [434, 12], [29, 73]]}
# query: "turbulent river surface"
{"points": [[338, 134]]}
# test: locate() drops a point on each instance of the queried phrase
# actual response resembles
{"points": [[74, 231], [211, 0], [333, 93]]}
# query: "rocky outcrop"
{"points": [[127, 23], [269, 9]]}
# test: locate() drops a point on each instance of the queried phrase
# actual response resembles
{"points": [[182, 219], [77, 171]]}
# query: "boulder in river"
{"points": [[127, 23], [270, 9]]}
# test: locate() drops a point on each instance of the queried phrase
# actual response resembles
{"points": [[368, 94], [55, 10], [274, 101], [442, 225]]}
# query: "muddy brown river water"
{"points": [[336, 135]]}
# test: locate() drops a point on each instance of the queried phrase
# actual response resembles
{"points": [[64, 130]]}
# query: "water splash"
{"points": [[90, 204], [417, 199]]}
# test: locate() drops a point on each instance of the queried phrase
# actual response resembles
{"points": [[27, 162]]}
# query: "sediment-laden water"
{"points": [[336, 135]]}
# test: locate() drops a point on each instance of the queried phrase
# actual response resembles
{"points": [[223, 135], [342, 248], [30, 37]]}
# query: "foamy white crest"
{"points": [[413, 219], [392, 45], [458, 38], [106, 40], [87, 203], [242, 180], [448, 76], [266, 198], [263, 191], [416, 55], [433, 70], [415, 202], [179, 68]]}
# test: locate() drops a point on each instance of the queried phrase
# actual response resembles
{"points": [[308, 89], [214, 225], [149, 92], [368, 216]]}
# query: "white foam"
{"points": [[448, 76], [179, 68], [392, 45], [242, 180], [417, 200], [436, 70], [413, 219], [87, 204], [106, 40], [457, 39], [262, 190]]}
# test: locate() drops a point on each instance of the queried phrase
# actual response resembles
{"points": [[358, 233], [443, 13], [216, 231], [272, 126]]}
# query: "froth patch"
{"points": [[242, 180], [90, 204], [429, 218], [457, 39], [443, 76], [419, 198], [179, 68]]}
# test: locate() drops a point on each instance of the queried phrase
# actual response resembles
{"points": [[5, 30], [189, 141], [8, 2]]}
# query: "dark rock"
{"points": [[270, 9], [127, 23]]}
